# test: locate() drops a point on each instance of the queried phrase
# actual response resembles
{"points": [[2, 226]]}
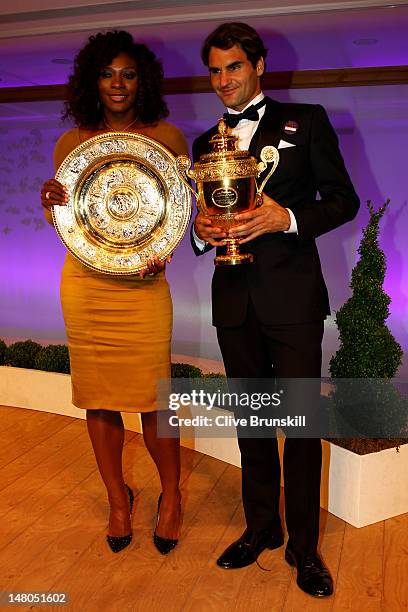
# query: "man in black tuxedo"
{"points": [[269, 314]]}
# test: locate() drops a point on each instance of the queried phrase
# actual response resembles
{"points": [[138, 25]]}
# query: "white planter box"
{"points": [[360, 489], [364, 489], [45, 391], [37, 390]]}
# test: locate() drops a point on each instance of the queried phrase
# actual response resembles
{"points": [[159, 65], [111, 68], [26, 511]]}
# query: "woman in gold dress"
{"points": [[119, 328]]}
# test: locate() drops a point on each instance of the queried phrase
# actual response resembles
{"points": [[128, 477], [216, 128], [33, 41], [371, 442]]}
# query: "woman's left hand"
{"points": [[154, 266]]}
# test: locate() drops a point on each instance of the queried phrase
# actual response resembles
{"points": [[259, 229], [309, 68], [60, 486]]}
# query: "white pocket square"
{"points": [[284, 145]]}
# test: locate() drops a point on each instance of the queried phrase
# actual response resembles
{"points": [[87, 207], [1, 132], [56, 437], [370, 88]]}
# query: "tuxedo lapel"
{"points": [[269, 128]]}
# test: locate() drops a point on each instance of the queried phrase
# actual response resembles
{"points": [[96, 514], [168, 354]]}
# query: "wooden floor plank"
{"points": [[30, 432], [218, 589], [67, 517], [76, 540], [395, 598], [78, 465], [54, 513], [123, 578], [31, 471], [10, 416], [16, 423], [360, 579], [175, 580], [34, 456], [42, 493]]}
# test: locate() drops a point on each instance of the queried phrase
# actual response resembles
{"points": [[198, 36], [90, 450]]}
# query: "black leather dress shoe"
{"points": [[246, 550], [313, 577]]}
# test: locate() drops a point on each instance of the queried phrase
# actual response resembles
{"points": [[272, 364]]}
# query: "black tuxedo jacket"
{"points": [[285, 283]]}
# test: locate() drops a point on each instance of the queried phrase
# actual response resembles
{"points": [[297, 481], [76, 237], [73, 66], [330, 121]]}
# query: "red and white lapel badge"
{"points": [[291, 127]]}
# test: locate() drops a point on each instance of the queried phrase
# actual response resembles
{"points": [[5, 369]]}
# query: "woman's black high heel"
{"points": [[163, 545], [118, 543]]}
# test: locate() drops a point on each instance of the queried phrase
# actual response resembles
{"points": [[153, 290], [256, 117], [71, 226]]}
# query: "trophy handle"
{"points": [[182, 166], [269, 155]]}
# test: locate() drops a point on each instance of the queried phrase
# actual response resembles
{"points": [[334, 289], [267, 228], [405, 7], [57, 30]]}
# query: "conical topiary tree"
{"points": [[367, 347], [370, 408]]}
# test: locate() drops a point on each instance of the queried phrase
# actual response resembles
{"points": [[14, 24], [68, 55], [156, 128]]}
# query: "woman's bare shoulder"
{"points": [[173, 137], [64, 145], [68, 137]]}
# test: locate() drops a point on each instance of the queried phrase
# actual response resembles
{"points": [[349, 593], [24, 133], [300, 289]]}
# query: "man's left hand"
{"points": [[270, 217]]}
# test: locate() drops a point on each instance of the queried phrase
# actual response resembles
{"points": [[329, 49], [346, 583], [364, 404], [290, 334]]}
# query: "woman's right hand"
{"points": [[53, 192]]}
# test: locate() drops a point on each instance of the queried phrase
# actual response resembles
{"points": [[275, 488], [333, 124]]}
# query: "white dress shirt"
{"points": [[245, 130]]}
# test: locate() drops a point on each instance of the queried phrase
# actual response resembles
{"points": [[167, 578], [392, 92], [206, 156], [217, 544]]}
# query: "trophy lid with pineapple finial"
{"points": [[226, 155]]}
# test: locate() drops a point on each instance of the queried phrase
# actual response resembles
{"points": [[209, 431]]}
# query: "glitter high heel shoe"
{"points": [[163, 545], [118, 543]]}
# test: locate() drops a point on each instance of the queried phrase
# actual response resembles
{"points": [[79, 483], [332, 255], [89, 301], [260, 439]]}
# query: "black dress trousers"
{"points": [[254, 350]]}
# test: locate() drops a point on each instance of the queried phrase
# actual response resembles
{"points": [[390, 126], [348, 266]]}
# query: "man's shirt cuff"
{"points": [[293, 229], [201, 244]]}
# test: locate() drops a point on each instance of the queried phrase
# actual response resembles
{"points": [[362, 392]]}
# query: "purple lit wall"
{"points": [[30, 255], [372, 124]]}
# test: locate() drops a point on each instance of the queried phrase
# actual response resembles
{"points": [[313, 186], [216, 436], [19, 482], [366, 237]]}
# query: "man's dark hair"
{"points": [[82, 102], [235, 33]]}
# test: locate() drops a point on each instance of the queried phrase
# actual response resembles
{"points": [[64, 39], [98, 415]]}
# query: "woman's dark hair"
{"points": [[235, 33], [82, 102]]}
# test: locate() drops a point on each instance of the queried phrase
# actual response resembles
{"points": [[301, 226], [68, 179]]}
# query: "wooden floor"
{"points": [[54, 510]]}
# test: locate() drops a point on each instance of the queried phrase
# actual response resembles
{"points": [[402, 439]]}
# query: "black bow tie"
{"points": [[251, 113]]}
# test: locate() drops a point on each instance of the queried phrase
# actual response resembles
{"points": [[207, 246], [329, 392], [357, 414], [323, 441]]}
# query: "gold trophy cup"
{"points": [[227, 185]]}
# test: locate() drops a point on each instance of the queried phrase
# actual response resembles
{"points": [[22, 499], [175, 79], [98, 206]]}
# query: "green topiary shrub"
{"points": [[53, 358], [185, 370], [366, 399], [22, 354], [367, 347], [3, 348]]}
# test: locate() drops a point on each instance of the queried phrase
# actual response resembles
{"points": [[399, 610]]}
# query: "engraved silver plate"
{"points": [[126, 202]]}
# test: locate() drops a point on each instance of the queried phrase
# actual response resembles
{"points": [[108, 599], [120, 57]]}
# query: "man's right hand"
{"points": [[53, 192], [209, 233]]}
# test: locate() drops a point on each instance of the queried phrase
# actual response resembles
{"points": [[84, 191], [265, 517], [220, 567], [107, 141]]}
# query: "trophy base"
{"points": [[232, 256], [233, 260]]}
